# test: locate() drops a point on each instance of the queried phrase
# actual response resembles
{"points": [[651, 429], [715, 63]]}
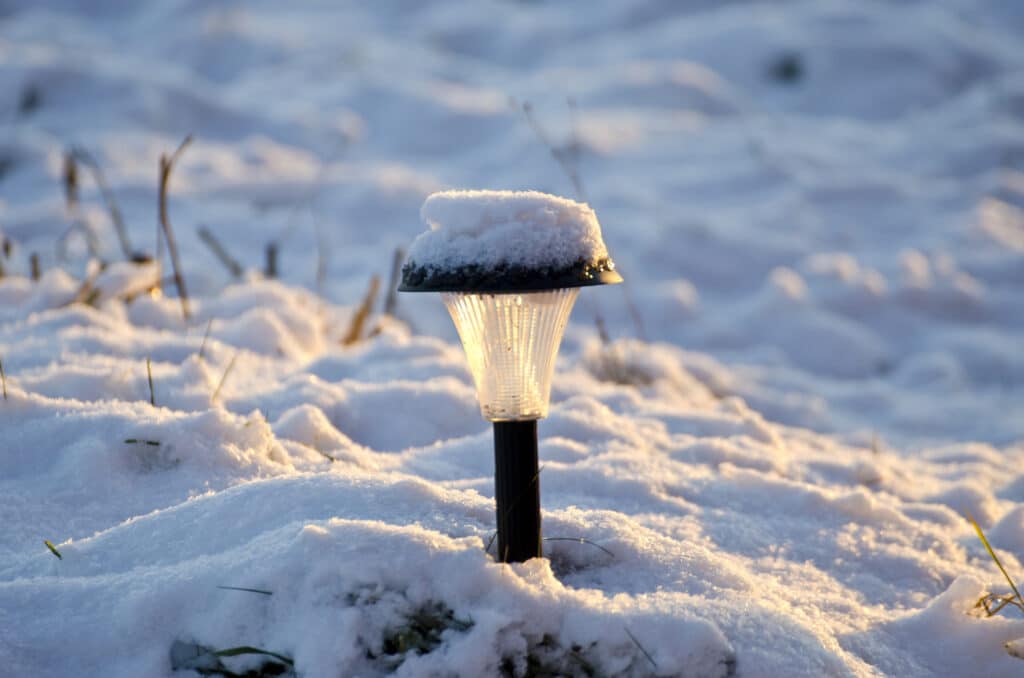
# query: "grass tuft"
{"points": [[206, 661], [421, 633]]}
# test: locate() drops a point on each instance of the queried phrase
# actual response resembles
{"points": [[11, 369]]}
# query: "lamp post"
{"points": [[509, 267]]}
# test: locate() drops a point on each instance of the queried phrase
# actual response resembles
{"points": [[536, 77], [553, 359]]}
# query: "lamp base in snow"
{"points": [[517, 490]]}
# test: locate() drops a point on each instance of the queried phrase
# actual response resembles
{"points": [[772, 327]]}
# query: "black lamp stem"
{"points": [[517, 490]]}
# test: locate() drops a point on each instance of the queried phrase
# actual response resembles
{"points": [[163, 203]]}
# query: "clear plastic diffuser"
{"points": [[511, 341]]}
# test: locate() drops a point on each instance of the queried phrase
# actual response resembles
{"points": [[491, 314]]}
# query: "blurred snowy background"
{"points": [[814, 369]]}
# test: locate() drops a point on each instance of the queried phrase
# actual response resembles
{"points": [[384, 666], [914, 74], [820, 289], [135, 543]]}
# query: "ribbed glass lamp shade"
{"points": [[511, 341]]}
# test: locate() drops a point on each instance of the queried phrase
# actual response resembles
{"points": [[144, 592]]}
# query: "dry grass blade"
{"points": [[149, 377], [581, 540], [391, 300], [87, 292], [362, 314], [602, 330], [206, 335], [3, 379], [70, 178], [1001, 601], [224, 377], [230, 263], [270, 270], [166, 165], [322, 255], [565, 157], [242, 588], [634, 312], [53, 549], [246, 649], [637, 643], [999, 564], [86, 159], [92, 243]]}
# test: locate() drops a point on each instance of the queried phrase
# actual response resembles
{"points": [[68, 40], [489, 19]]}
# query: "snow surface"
{"points": [[512, 228], [814, 366]]}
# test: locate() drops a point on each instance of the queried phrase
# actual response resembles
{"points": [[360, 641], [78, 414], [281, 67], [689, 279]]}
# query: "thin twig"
{"points": [[166, 165], [646, 653], [137, 441], [230, 263], [3, 378], [359, 318], [224, 377], [149, 376], [33, 263], [89, 161]]}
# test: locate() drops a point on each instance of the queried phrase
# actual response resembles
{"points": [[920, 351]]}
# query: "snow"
{"points": [[506, 228], [812, 371]]}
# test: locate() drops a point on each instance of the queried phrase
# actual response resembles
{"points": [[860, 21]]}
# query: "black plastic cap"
{"points": [[507, 279]]}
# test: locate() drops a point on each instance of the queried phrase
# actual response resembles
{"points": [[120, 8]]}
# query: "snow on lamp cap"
{"points": [[506, 241]]}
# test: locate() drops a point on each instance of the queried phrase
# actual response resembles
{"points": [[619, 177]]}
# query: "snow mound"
{"points": [[492, 229]]}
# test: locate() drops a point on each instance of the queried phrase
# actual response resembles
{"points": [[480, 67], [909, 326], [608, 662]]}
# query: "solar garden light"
{"points": [[509, 266]]}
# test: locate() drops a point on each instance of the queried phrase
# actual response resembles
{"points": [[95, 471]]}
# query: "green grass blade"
{"points": [[53, 549], [991, 552]]}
